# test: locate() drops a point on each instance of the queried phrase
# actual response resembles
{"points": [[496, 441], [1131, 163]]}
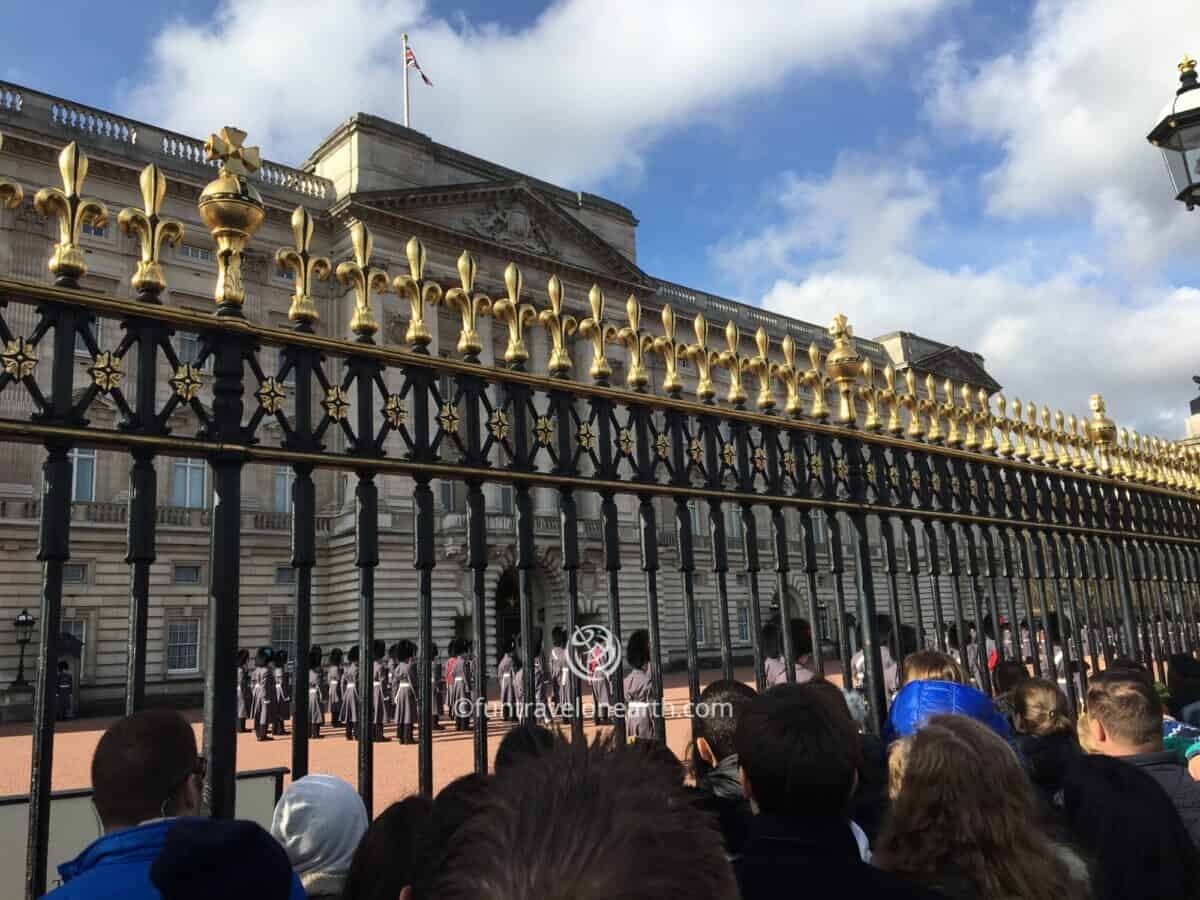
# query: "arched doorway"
{"points": [[508, 611], [548, 607]]}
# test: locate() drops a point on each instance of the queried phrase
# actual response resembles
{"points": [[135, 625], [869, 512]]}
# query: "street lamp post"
{"points": [[1177, 134], [24, 623]]}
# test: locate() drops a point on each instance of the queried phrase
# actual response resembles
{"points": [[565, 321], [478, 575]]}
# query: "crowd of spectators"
{"points": [[966, 794]]}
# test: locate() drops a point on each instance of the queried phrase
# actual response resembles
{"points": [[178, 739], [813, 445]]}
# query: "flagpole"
{"points": [[404, 57]]}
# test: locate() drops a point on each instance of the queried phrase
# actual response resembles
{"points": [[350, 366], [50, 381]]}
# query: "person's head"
{"points": [[1040, 709], [585, 817], [319, 820], [772, 644], [1124, 713], [799, 751], [1008, 674], [455, 805], [204, 858], [433, 650], [714, 721], [314, 657], [385, 863], [408, 650], [637, 651], [262, 657], [394, 652], [243, 657], [335, 656], [802, 639], [525, 742], [931, 665], [558, 636], [146, 767], [378, 651], [352, 656], [1127, 825], [965, 807], [897, 763], [657, 753]]}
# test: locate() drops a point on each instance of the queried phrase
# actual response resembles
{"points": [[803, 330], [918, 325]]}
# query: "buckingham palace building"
{"points": [[400, 183]]}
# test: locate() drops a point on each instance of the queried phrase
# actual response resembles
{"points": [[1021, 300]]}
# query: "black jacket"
{"points": [[720, 793], [1046, 760], [1168, 771], [812, 857]]}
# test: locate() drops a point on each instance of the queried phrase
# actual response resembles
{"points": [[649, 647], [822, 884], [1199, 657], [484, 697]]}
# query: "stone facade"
{"points": [[401, 183]]}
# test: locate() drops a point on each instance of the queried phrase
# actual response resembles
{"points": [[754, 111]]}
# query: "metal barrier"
{"points": [[1080, 522]]}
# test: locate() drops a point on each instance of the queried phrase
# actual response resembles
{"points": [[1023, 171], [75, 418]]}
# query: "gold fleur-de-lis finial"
{"points": [[1033, 433], [968, 417], [470, 306], [843, 365], [932, 410], [951, 411], [789, 376], [636, 343], [419, 293], [516, 315], [11, 194], [600, 333], [910, 400], [559, 326], [986, 421], [365, 280], [1020, 449], [1187, 64], [817, 383], [671, 352], [731, 361], [703, 358], [72, 210], [228, 146], [151, 229], [760, 365], [870, 396], [891, 400], [1002, 422], [305, 267]]}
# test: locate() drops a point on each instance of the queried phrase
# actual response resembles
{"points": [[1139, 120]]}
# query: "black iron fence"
{"points": [[1093, 533]]}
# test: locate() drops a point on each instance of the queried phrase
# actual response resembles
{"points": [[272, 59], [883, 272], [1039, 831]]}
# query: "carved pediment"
{"points": [[958, 365], [514, 224]]}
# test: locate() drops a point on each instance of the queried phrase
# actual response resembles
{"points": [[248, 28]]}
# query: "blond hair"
{"points": [[931, 665], [897, 764], [1040, 709]]}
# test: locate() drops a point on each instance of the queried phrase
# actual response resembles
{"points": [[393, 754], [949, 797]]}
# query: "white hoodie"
{"points": [[319, 820]]}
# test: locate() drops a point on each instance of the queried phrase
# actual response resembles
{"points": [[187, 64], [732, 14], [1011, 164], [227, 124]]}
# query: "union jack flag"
{"points": [[410, 61]]}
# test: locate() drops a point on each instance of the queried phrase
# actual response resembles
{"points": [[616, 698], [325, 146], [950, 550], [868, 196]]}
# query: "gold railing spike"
{"points": [[470, 307], [1020, 449], [72, 210], [703, 358], [911, 401], [843, 365], [232, 209], [636, 343], [305, 267], [1006, 447], [733, 362], [365, 280], [870, 395], [419, 293], [511, 311], [672, 352], [817, 383], [600, 333], [952, 413], [891, 400], [932, 410], [986, 421], [760, 365], [559, 326], [1033, 434], [968, 417], [151, 230], [11, 194], [789, 376]]}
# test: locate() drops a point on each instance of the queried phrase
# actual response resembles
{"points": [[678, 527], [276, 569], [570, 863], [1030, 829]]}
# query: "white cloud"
{"points": [[578, 95], [851, 243], [1070, 110]]}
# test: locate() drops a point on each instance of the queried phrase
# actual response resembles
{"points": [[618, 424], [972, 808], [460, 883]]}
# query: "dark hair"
{"points": [[63, 665], [140, 764], [352, 656], [243, 656], [335, 656], [1008, 674], [378, 650], [656, 753], [1126, 823], [802, 638], [1040, 709], [262, 656], [386, 859], [406, 650], [637, 651], [314, 656], [456, 804], [715, 717], [799, 750], [1127, 705], [580, 812], [558, 636], [394, 652], [771, 641], [527, 741]]}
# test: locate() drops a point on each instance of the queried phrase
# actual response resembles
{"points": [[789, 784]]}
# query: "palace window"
{"points": [[701, 624], [449, 501], [188, 347], [186, 574], [733, 523], [505, 499], [743, 623], [75, 573], [199, 254], [183, 646], [91, 229], [93, 328], [285, 575], [83, 474], [187, 482], [77, 628], [284, 477], [283, 634]]}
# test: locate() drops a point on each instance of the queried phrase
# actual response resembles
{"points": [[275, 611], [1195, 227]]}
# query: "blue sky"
{"points": [[973, 170]]}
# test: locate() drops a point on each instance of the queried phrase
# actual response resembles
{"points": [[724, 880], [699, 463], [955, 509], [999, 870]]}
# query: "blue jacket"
{"points": [[920, 700], [116, 866]]}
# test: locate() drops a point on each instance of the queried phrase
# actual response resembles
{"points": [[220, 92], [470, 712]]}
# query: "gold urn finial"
{"points": [[516, 315], [419, 293], [600, 333], [470, 306], [364, 279], [559, 326], [151, 229], [72, 210], [636, 344], [731, 360], [1187, 64], [304, 266], [703, 358], [1101, 432], [843, 365], [232, 209], [11, 194], [672, 352]]}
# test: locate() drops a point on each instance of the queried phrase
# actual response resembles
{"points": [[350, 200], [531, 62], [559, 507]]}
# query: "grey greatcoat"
{"points": [[639, 693], [333, 677], [458, 694], [316, 712], [405, 696], [262, 691], [508, 688], [350, 693], [601, 689], [379, 692], [245, 699]]}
